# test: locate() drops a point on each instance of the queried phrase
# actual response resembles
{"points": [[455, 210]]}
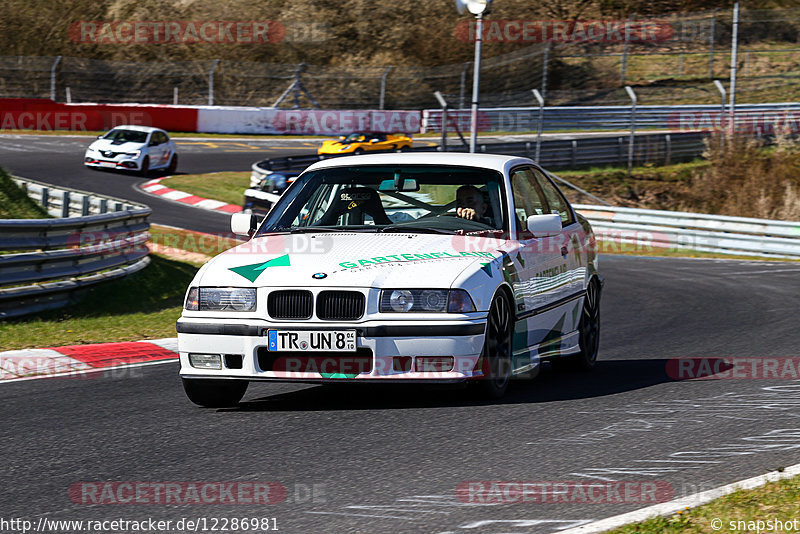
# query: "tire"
{"points": [[358, 151], [496, 356], [145, 170], [173, 164], [405, 149], [589, 330], [214, 393]]}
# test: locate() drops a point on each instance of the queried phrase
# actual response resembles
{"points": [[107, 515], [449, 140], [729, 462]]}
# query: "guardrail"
{"points": [[750, 118], [44, 263], [555, 154], [742, 236]]}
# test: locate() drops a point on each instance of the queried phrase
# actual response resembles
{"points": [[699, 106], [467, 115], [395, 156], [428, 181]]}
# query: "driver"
{"points": [[471, 205]]}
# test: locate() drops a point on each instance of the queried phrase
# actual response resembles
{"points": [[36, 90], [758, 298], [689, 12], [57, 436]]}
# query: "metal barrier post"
{"points": [[632, 95], [624, 67], [734, 59], [545, 62], [721, 90], [53, 79], [711, 45], [65, 204], [383, 87], [211, 83], [443, 103], [463, 84], [540, 100]]}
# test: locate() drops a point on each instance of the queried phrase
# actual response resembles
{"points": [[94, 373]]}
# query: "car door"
{"points": [[157, 146], [539, 281], [571, 245]]}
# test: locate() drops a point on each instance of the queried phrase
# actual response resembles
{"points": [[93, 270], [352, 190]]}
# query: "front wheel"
{"points": [[173, 164], [145, 170], [496, 357], [214, 393], [358, 151]]}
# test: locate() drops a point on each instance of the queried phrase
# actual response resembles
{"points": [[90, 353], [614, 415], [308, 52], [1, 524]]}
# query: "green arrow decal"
{"points": [[251, 272]]}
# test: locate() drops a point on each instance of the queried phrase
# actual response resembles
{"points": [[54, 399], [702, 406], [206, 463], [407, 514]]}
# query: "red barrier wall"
{"points": [[43, 114]]}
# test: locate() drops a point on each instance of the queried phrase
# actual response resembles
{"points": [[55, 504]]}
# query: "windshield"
{"points": [[413, 198], [126, 136], [355, 138]]}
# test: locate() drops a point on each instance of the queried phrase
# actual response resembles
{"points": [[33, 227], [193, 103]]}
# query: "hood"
{"points": [[349, 260], [107, 144]]}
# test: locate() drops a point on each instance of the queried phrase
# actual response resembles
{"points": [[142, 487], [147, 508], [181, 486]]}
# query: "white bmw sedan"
{"points": [[423, 267], [133, 148]]}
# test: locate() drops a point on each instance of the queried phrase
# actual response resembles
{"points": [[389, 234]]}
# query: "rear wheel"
{"points": [[145, 170], [496, 355], [214, 393], [589, 330], [358, 151]]}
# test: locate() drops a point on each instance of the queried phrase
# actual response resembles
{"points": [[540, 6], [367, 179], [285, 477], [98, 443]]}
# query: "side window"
{"points": [[555, 199], [528, 198]]}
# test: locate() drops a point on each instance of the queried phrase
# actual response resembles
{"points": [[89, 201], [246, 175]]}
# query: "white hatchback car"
{"points": [[392, 268], [133, 148]]}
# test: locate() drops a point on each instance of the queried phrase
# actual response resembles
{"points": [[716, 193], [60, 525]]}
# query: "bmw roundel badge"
{"points": [[318, 276]]}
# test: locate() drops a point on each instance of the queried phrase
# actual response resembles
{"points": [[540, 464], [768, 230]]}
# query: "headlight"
{"points": [[221, 299], [134, 154], [425, 301]]}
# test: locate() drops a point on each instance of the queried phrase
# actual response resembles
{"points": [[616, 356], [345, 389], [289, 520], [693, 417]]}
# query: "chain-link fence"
{"points": [[571, 69]]}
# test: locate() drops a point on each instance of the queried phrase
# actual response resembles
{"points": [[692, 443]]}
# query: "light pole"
{"points": [[479, 8]]}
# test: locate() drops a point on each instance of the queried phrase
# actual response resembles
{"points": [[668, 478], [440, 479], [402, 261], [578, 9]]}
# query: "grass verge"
{"points": [[737, 512], [187, 245], [223, 186], [14, 203]]}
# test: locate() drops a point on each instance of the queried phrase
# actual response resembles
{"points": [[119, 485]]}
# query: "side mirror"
{"points": [[544, 225], [100, 136], [244, 223]]}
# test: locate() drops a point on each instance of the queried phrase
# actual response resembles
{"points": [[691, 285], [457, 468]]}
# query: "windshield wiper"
{"points": [[313, 229], [416, 230]]}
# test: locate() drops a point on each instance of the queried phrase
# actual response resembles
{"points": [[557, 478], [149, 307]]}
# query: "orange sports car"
{"points": [[361, 142]]}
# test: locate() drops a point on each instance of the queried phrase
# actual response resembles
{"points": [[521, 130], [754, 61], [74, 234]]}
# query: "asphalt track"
{"points": [[390, 460]]}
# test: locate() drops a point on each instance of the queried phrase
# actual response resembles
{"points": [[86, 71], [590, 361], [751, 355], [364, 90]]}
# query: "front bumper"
{"points": [[385, 351], [125, 163]]}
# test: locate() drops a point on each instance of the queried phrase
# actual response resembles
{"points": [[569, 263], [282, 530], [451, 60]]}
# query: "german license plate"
{"points": [[312, 340], [108, 164]]}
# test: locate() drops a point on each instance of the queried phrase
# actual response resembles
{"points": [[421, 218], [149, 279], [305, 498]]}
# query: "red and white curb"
{"points": [[154, 187], [83, 360], [690, 501]]}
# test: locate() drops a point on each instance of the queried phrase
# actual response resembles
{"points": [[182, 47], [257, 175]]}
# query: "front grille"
{"points": [[340, 305], [292, 304], [349, 364]]}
